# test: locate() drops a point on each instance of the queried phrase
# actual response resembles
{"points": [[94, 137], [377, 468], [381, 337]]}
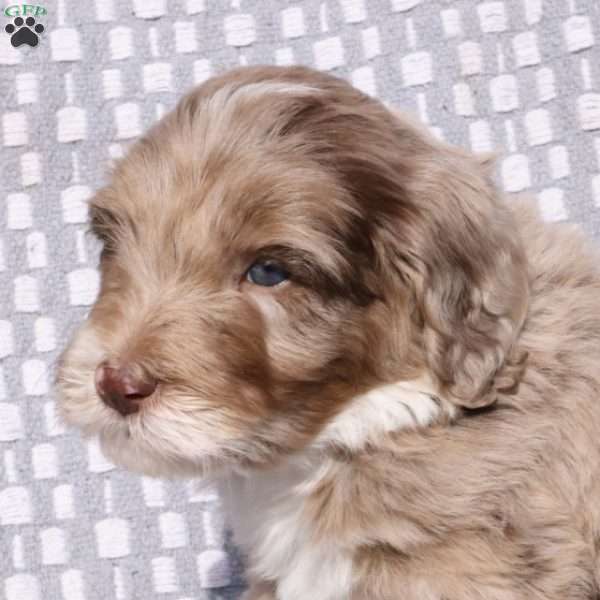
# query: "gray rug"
{"points": [[518, 76]]}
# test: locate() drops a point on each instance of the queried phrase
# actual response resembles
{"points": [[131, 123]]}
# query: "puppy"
{"points": [[393, 371]]}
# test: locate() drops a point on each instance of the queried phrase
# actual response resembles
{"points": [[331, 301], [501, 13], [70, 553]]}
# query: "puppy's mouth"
{"points": [[155, 440], [164, 427], [157, 431]]}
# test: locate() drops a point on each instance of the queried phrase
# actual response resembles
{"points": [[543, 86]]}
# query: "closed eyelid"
{"points": [[101, 219], [106, 223], [106, 226]]}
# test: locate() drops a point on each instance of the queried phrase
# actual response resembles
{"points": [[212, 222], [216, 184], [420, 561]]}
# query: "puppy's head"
{"points": [[275, 246]]}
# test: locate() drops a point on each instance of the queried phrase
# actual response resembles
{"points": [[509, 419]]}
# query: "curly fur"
{"points": [[415, 413]]}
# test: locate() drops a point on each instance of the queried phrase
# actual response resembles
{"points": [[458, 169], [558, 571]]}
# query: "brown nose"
{"points": [[123, 387]]}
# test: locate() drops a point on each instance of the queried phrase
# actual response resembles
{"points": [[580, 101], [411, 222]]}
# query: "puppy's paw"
{"points": [[260, 591]]}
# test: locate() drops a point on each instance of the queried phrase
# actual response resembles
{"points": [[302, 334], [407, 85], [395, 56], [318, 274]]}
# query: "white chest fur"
{"points": [[266, 513], [266, 509]]}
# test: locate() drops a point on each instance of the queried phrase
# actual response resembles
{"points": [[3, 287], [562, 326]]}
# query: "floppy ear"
{"points": [[460, 254]]}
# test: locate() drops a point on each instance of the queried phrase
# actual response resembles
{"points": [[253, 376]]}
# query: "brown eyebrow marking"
{"points": [[304, 269], [302, 264]]}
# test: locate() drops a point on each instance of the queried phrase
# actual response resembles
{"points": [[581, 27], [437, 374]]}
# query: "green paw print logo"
{"points": [[24, 29]]}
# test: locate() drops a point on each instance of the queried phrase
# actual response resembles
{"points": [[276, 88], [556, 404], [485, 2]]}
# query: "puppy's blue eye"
{"points": [[267, 274]]}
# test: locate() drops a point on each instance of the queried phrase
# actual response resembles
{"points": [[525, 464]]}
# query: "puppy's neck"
{"points": [[266, 508]]}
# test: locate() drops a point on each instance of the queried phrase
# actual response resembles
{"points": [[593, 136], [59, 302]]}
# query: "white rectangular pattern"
{"points": [[521, 77]]}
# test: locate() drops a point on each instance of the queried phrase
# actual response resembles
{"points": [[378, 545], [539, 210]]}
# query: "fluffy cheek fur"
{"points": [[308, 339], [203, 407], [244, 375], [391, 281]]}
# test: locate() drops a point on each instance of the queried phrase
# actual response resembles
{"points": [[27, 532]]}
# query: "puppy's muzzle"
{"points": [[124, 387]]}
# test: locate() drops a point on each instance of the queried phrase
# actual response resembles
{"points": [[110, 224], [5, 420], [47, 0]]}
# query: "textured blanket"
{"points": [[80, 80]]}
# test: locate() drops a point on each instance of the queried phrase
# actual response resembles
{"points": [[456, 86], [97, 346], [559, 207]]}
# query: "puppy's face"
{"points": [[268, 255]]}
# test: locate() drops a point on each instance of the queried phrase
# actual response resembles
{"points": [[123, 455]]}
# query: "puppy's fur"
{"points": [[414, 415]]}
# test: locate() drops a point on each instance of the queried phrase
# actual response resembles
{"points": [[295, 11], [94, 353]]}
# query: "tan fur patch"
{"points": [[405, 264]]}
